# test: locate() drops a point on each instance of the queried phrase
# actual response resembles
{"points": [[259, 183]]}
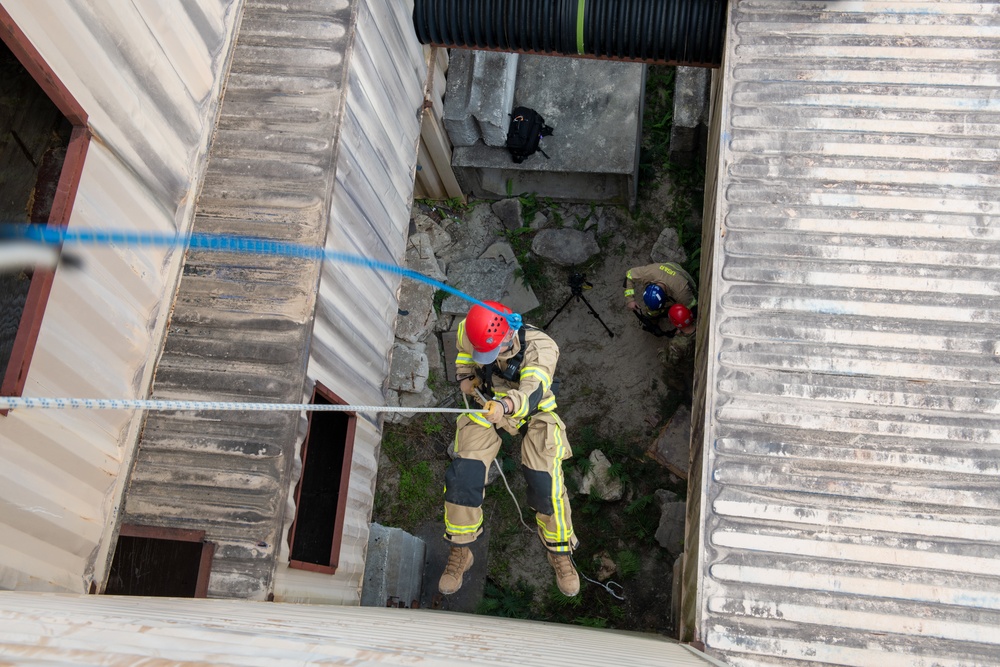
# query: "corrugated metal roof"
{"points": [[356, 311], [108, 630], [241, 324], [150, 87], [851, 512]]}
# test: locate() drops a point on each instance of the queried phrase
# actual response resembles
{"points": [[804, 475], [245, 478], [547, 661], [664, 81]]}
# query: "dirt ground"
{"points": [[615, 395]]}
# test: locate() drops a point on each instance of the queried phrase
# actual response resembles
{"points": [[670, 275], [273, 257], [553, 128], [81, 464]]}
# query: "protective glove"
{"points": [[496, 411], [468, 385]]}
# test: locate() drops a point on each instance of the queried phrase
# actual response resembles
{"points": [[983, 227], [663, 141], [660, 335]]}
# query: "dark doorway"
{"points": [[34, 136], [321, 495], [160, 562], [43, 145]]}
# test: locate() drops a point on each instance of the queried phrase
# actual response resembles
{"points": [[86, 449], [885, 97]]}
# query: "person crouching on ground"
{"points": [[514, 371], [667, 297]]}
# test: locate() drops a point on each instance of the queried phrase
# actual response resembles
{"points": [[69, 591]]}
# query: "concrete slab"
{"points": [[393, 568], [468, 597], [672, 446], [595, 108]]}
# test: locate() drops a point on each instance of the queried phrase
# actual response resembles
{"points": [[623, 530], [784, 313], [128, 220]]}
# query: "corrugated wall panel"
{"points": [[355, 317], [150, 84], [109, 630], [850, 512], [241, 324]]}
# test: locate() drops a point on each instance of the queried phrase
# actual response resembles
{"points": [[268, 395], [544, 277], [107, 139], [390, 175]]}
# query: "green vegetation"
{"points": [[439, 297], [507, 601], [532, 267], [454, 206], [685, 182], [657, 120], [411, 450]]}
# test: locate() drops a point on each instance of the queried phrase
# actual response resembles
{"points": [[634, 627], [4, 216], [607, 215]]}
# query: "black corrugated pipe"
{"points": [[676, 32]]}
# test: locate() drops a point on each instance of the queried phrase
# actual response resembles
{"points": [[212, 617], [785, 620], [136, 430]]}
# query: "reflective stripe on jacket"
{"points": [[532, 391], [676, 282]]}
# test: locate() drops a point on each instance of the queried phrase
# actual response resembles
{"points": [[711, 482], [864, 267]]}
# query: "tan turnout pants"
{"points": [[543, 449]]}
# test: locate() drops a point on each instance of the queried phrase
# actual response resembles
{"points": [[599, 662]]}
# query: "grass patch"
{"points": [[657, 121]]}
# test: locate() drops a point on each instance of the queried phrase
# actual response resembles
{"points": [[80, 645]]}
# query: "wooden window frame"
{"points": [[345, 477], [179, 535], [62, 206]]}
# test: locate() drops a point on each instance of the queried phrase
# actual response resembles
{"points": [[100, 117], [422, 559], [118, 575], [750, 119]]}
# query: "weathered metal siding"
{"points": [[149, 79], [852, 513], [241, 323], [111, 630], [355, 317]]}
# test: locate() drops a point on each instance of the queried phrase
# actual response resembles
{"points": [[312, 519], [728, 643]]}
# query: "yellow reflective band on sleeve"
{"points": [[629, 292], [667, 270], [522, 411], [547, 404], [629, 274], [479, 419], [453, 529], [535, 371]]}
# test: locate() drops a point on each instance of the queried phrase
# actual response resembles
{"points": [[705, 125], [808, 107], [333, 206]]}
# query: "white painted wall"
{"points": [[149, 75]]}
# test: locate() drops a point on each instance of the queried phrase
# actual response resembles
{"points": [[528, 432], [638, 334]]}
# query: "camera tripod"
{"points": [[578, 283]]}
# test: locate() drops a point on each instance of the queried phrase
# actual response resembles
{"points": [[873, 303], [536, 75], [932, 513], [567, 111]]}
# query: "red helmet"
{"points": [[486, 330], [680, 316]]}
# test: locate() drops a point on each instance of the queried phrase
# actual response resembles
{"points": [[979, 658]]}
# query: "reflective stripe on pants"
{"points": [[543, 449]]}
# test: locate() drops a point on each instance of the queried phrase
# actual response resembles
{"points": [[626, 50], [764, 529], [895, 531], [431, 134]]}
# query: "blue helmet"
{"points": [[653, 296]]}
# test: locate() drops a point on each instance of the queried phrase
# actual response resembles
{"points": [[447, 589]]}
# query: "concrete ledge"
{"points": [[595, 108], [394, 568]]}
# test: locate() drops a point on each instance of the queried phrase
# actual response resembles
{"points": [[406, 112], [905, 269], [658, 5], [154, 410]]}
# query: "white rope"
{"points": [[13, 403]]}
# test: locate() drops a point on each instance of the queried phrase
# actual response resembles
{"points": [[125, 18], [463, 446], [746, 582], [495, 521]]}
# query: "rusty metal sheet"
{"points": [[850, 512]]}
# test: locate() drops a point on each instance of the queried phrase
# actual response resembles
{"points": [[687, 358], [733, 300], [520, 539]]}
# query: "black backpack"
{"points": [[527, 128]]}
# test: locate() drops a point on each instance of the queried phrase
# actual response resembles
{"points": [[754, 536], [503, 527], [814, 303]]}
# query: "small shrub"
{"points": [[511, 602], [439, 297], [432, 424], [628, 563]]}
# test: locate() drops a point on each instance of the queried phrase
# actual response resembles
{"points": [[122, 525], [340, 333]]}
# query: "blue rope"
{"points": [[226, 243]]}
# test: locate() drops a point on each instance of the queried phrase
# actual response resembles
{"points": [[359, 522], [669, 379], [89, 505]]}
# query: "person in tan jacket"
{"points": [[661, 296], [514, 372]]}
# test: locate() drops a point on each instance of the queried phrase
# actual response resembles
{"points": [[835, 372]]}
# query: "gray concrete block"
{"points": [[459, 100], [479, 96], [692, 95], [495, 76], [394, 567]]}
